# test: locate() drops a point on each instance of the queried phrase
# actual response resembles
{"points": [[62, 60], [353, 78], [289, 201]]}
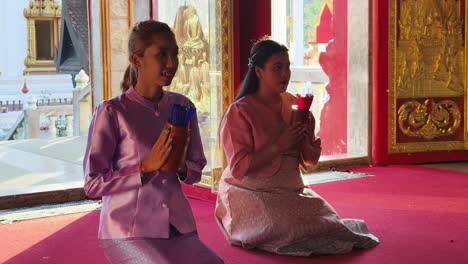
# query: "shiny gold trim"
{"points": [[392, 70], [105, 49], [428, 146], [397, 91], [205, 181], [130, 14], [339, 164], [466, 77], [226, 18], [227, 67], [217, 173]]}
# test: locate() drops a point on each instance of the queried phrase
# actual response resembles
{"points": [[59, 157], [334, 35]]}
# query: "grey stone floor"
{"points": [[39, 165]]}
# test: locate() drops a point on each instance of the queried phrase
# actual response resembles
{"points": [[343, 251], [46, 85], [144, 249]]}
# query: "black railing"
{"points": [[11, 106]]}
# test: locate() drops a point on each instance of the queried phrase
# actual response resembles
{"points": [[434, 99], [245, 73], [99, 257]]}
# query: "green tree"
{"points": [[311, 14]]}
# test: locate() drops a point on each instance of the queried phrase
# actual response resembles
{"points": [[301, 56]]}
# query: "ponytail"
{"points": [[249, 85], [129, 79]]}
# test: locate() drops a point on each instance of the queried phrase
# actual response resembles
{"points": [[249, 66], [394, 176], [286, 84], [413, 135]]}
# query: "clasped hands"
{"points": [[160, 152], [296, 137]]}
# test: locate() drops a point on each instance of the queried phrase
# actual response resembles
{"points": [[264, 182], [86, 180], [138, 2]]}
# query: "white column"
{"points": [[70, 127], [81, 80], [52, 128], [358, 77], [298, 32], [44, 125]]}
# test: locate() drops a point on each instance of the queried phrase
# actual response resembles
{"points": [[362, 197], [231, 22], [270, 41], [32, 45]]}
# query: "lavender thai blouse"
{"points": [[121, 135]]}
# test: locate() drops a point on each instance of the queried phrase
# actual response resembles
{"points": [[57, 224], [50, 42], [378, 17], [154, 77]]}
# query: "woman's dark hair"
{"points": [[141, 38], [261, 51]]}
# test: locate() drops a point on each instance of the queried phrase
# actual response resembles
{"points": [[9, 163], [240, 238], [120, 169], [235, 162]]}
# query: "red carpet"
{"points": [[418, 213]]}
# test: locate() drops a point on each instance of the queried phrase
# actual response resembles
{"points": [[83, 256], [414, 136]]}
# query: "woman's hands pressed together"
{"points": [[158, 154], [290, 138]]}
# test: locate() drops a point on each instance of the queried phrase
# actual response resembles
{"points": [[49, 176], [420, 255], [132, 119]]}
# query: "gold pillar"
{"points": [[130, 14], [105, 50]]}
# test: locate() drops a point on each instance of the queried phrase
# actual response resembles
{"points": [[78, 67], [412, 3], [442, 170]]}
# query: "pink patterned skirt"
{"points": [[280, 215]]}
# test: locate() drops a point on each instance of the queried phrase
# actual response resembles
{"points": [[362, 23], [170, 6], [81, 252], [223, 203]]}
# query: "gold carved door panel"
{"points": [[428, 82]]}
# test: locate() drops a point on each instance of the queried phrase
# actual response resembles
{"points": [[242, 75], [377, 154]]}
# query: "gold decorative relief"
{"points": [[427, 90], [43, 8], [430, 119], [43, 22], [205, 181], [217, 173], [430, 49], [226, 18]]}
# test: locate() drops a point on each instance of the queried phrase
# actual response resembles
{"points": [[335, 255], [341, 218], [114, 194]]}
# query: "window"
{"points": [[43, 20], [44, 40], [329, 53], [198, 29], [43, 104]]}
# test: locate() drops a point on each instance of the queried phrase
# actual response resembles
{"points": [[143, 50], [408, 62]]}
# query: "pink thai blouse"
{"points": [[248, 126], [121, 135]]}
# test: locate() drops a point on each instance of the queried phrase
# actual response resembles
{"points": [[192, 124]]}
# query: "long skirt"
{"points": [[280, 215], [179, 248]]}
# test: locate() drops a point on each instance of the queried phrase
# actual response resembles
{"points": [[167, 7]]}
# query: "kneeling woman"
{"points": [[262, 200], [145, 216]]}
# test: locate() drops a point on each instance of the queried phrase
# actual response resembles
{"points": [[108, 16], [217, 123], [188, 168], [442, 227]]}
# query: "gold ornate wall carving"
{"points": [[428, 60], [430, 119], [41, 10]]}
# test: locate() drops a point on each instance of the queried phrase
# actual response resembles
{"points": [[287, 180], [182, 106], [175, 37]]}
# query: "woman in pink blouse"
{"points": [[262, 201], [145, 216]]}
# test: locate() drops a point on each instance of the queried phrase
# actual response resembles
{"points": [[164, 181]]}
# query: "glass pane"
{"points": [[44, 104], [197, 28], [44, 48], [318, 34]]}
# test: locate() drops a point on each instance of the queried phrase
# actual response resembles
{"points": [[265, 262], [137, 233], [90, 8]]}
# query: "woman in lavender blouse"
{"points": [[145, 216]]}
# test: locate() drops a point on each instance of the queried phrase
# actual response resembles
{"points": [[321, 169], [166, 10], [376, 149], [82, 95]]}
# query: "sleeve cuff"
{"points": [[193, 174]]}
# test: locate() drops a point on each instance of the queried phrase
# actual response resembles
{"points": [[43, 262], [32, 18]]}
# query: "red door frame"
{"points": [[254, 23]]}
